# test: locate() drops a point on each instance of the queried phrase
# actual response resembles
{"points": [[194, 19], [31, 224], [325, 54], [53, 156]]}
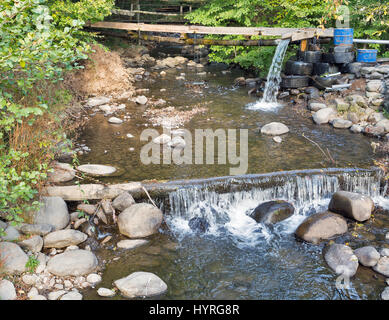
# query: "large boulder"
{"points": [[72, 263], [382, 266], [272, 211], [274, 129], [198, 224], [321, 226], [140, 220], [7, 290], [141, 284], [14, 259], [324, 115], [53, 211], [64, 238], [352, 205], [341, 259], [367, 256], [123, 201]]}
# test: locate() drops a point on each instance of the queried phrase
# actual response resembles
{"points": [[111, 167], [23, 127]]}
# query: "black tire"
{"points": [[324, 67], [298, 68], [294, 82], [323, 82], [342, 49], [328, 58], [310, 56], [344, 57]]}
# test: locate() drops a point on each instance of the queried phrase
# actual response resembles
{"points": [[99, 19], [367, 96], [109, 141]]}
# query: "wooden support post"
{"points": [[304, 45], [181, 10]]}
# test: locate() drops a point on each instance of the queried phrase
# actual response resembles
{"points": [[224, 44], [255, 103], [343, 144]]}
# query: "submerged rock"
{"points": [[321, 226], [272, 211], [198, 224], [131, 244], [96, 169], [141, 284], [352, 205], [367, 256], [341, 259], [140, 220]]}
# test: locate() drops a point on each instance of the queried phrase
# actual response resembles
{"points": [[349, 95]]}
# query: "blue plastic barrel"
{"points": [[343, 36], [367, 55]]}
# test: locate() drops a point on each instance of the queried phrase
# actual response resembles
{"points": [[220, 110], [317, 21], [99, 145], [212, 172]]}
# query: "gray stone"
{"points": [[53, 211], [385, 294], [383, 123], [341, 105], [321, 226], [353, 117], [64, 238], [11, 234], [316, 106], [274, 129], [374, 86], [123, 201], [367, 256], [356, 128], [37, 229], [376, 117], [3, 225], [7, 290], [73, 263], [141, 100], [87, 208], [96, 169], [115, 120], [104, 292], [93, 279], [32, 293], [73, 295], [30, 279], [141, 284], [13, 257], [384, 252], [341, 259], [55, 295], [277, 139], [97, 101], [374, 130], [140, 220], [62, 172], [352, 205], [33, 244], [382, 266], [357, 100], [341, 123], [323, 115], [131, 244]]}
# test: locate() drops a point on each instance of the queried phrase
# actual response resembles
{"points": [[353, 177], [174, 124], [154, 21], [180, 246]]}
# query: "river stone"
{"points": [[341, 259], [198, 224], [323, 115], [382, 266], [37, 229], [104, 292], [274, 129], [385, 294], [64, 238], [33, 244], [63, 172], [141, 284], [123, 201], [141, 100], [374, 86], [87, 208], [97, 101], [384, 252], [13, 257], [131, 244], [55, 295], [383, 123], [316, 106], [11, 234], [341, 123], [375, 131], [367, 256], [7, 290], [352, 205], [96, 169], [93, 279], [272, 212], [32, 293], [72, 295], [72, 263], [53, 211], [321, 226], [140, 220]]}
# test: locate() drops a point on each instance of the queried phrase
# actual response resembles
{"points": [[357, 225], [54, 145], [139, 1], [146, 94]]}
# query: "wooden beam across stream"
{"points": [[293, 33]]}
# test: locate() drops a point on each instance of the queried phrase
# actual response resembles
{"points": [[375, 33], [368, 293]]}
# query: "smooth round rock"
{"points": [[341, 259], [141, 284], [96, 169], [274, 129], [272, 212], [53, 211], [72, 296], [385, 294], [33, 244], [368, 256], [115, 120], [73, 263], [382, 266], [14, 259], [131, 244], [123, 201], [104, 292], [64, 238], [7, 290], [93, 278]]}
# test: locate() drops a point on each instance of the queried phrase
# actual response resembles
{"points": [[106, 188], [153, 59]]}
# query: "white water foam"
{"points": [[269, 100]]}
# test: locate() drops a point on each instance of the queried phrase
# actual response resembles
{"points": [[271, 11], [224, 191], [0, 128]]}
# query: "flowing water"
{"points": [[269, 100], [239, 258]]}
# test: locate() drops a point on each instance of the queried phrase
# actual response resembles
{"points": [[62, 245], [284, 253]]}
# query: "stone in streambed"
{"points": [[123, 201], [341, 259], [14, 259], [64, 238], [382, 266], [53, 211], [96, 169], [104, 292], [33, 244], [37, 229], [272, 212], [72, 263], [368, 256], [7, 290], [274, 129], [141, 284], [323, 115], [131, 244]]}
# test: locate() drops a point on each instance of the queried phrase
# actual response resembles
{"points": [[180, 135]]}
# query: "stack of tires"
{"points": [[310, 67]]}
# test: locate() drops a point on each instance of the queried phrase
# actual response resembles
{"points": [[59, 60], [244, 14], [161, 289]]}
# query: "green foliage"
{"points": [[32, 264], [40, 40], [369, 19]]}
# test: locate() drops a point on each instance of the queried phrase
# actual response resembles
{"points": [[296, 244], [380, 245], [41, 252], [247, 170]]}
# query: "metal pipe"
{"points": [[371, 41]]}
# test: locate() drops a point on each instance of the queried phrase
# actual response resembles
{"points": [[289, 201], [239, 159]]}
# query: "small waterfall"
{"points": [[308, 193], [269, 100]]}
